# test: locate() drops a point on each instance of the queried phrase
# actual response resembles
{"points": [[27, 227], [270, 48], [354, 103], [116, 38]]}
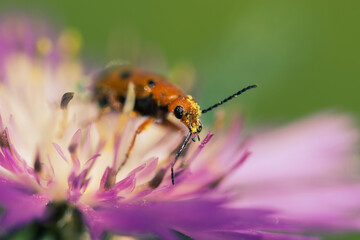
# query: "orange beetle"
{"points": [[154, 97]]}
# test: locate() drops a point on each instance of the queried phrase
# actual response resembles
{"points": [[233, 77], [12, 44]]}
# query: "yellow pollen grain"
{"points": [[193, 129], [44, 46], [70, 42]]}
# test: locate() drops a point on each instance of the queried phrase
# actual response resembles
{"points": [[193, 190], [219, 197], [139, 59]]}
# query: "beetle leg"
{"points": [[181, 149], [141, 128]]}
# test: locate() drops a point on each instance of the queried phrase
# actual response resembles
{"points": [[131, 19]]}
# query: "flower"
{"points": [[60, 163]]}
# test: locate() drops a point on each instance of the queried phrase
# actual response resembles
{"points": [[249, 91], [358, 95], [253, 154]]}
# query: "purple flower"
{"points": [[60, 165]]}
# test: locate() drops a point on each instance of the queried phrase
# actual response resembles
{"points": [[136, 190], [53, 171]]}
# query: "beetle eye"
{"points": [[151, 83], [178, 112]]}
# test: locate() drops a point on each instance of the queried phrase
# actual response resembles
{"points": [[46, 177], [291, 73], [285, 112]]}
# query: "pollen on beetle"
{"points": [[194, 106]]}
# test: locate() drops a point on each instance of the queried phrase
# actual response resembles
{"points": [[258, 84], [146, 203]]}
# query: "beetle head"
{"points": [[188, 111]]}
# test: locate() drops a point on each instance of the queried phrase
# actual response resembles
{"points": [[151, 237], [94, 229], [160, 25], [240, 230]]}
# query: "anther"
{"points": [[4, 141], [156, 181], [37, 162], [66, 98], [72, 148]]}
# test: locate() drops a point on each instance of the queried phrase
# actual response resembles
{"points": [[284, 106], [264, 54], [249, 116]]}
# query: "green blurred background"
{"points": [[305, 55]]}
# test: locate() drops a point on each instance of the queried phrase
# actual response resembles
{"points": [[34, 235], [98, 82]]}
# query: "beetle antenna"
{"points": [[229, 98], [177, 156]]}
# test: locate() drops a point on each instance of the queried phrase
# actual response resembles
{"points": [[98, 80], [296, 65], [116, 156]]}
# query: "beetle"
{"points": [[155, 97]]}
